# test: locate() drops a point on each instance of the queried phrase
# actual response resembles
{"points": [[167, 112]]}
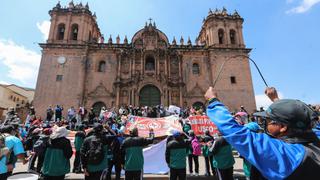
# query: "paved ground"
{"points": [[238, 171]]}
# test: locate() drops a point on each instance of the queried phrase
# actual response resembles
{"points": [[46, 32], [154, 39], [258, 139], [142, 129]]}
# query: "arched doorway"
{"points": [[149, 96], [198, 105], [97, 107]]}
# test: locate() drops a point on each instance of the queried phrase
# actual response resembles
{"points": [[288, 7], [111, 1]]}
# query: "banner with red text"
{"points": [[160, 126], [200, 124]]}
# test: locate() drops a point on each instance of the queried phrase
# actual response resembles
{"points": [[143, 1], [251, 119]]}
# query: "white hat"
{"points": [[59, 132]]}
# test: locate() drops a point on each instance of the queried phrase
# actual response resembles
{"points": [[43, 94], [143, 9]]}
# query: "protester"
{"points": [[40, 147], [194, 153], [50, 114], [15, 147], [176, 153], [57, 157], [290, 151], [58, 113], [132, 156], [78, 141], [94, 151], [115, 161], [223, 158], [208, 156]]}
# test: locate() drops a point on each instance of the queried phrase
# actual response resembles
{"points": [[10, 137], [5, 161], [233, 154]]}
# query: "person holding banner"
{"points": [[132, 154], [290, 150], [176, 153]]}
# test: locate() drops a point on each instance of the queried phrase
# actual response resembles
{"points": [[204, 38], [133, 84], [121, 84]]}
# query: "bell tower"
{"points": [[74, 24], [221, 29]]}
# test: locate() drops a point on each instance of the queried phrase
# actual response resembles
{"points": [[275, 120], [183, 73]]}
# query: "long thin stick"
{"points": [[222, 66]]}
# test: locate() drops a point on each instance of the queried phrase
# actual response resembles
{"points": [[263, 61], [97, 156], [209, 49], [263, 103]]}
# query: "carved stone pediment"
{"points": [[100, 91], [196, 91]]}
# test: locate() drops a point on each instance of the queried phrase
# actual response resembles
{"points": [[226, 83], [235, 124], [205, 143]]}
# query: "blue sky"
{"points": [[283, 34]]}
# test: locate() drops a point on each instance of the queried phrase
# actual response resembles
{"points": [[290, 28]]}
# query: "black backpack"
{"points": [[95, 155]]}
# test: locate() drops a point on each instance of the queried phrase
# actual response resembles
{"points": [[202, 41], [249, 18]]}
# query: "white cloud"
{"points": [[22, 63], [4, 82], [44, 28], [304, 6], [263, 101]]}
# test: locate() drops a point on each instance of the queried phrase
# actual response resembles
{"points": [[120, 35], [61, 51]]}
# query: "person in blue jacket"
{"points": [[289, 149]]}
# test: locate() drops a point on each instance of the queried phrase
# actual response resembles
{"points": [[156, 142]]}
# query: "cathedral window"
{"points": [[61, 30], [195, 68], [150, 64], [233, 80], [233, 36], [59, 78], [102, 66], [74, 32], [221, 36]]}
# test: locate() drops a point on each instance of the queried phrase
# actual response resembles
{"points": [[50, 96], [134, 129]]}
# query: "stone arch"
{"points": [[221, 36], [232, 35], [74, 32], [149, 95], [61, 31], [150, 63], [97, 107]]}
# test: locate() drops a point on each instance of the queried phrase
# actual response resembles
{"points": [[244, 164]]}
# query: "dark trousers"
{"points": [[76, 163], [225, 174], [177, 174], [32, 162], [4, 176], [53, 177], [117, 167], [209, 165], [40, 163], [132, 175], [196, 163], [93, 176]]}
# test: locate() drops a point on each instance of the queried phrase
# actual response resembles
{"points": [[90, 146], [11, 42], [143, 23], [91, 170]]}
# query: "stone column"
{"points": [[118, 96], [119, 65], [169, 97], [53, 28], [166, 65], [180, 97], [142, 64], [66, 38], [158, 64]]}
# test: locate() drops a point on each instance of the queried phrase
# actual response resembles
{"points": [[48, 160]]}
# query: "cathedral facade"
{"points": [[80, 68]]}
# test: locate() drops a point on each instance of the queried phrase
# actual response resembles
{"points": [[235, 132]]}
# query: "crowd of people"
{"points": [[279, 143]]}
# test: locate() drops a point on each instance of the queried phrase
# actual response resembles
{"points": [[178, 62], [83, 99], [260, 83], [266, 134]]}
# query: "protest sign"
{"points": [[160, 126], [200, 124]]}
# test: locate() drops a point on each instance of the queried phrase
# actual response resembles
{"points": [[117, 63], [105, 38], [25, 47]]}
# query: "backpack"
{"points": [[95, 155], [196, 147], [40, 145]]}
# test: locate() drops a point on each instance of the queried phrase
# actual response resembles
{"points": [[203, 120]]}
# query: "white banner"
{"points": [[154, 159]]}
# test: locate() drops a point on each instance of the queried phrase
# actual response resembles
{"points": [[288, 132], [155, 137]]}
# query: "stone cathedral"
{"points": [[81, 68]]}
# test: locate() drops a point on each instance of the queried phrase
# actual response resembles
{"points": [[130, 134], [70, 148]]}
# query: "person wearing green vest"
{"points": [[223, 159], [78, 141], [94, 151], [208, 157], [176, 153], [132, 154], [56, 162]]}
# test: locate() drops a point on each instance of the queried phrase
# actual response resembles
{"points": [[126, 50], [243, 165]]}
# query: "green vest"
{"points": [[178, 158], [103, 164], [55, 163], [134, 159], [224, 158]]}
